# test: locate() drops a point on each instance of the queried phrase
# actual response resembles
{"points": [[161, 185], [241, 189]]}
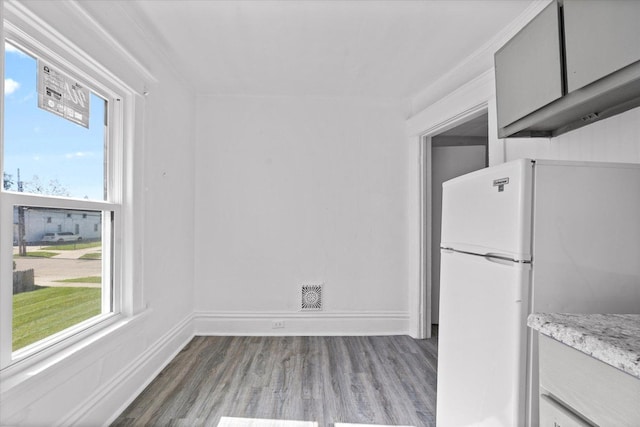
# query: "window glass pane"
{"points": [[58, 273], [51, 155]]}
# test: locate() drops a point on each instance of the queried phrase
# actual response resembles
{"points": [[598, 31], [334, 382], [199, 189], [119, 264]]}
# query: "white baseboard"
{"points": [[302, 324], [106, 403]]}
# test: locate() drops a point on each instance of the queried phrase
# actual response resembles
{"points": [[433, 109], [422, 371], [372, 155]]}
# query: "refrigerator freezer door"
{"points": [[489, 211], [482, 341]]}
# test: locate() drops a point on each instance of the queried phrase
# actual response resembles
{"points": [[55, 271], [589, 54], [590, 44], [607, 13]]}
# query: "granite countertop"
{"points": [[611, 338]]}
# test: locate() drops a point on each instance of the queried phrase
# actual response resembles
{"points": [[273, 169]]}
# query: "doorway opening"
{"points": [[448, 151], [455, 152]]}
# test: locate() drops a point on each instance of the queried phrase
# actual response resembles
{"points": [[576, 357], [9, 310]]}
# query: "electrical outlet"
{"points": [[277, 324]]}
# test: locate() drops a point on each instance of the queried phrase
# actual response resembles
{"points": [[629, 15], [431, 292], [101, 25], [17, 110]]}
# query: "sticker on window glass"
{"points": [[61, 95]]}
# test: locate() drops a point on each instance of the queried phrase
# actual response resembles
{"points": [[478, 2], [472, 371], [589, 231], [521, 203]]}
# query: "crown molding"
{"points": [[127, 72], [81, 13], [475, 64]]}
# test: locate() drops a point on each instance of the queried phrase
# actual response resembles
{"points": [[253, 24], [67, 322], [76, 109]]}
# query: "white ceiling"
{"points": [[380, 48]]}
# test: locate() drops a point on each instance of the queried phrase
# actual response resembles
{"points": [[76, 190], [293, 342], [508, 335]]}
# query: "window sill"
{"points": [[38, 363]]}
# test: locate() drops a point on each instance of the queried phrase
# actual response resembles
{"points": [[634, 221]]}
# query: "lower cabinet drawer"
{"points": [[595, 391], [553, 414]]}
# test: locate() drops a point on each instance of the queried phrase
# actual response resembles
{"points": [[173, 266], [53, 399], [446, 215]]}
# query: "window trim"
{"points": [[43, 42]]}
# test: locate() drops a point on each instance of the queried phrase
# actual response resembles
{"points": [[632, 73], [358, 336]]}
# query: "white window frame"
{"points": [[45, 43]]}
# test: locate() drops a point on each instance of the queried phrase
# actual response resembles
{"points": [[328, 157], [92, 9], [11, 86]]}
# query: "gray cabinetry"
{"points": [[600, 37], [529, 68], [578, 390], [575, 63]]}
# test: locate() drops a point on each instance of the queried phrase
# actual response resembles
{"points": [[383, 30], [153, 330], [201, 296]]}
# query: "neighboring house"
{"points": [[37, 222]]}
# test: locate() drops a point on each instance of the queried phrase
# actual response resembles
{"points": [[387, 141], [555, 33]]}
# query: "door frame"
{"points": [[426, 214]]}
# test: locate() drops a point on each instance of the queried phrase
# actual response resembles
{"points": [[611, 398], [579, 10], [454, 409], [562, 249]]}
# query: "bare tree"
{"points": [[52, 188], [7, 180]]}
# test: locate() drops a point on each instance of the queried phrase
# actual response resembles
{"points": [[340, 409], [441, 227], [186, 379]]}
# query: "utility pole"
{"points": [[22, 244]]}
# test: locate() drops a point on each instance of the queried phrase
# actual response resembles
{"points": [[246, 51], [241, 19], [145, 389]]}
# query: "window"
{"points": [[61, 200]]}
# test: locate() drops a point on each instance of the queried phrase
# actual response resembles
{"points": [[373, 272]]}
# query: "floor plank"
{"points": [[369, 380]]}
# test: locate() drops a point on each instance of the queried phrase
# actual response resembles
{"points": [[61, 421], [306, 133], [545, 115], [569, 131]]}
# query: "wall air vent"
{"points": [[311, 298]]}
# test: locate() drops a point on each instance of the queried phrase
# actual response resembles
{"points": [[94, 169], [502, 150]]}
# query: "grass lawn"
{"points": [[73, 246], [38, 254], [92, 255], [43, 312], [89, 279]]}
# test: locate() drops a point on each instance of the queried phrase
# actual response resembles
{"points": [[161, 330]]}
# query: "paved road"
{"points": [[64, 266]]}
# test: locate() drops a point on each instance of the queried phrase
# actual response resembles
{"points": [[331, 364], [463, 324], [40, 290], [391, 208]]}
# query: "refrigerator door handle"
{"points": [[489, 256], [499, 259]]}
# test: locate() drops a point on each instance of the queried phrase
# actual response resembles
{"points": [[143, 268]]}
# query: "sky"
{"points": [[44, 145]]}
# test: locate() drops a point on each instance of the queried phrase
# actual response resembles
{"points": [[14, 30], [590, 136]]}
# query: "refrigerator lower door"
{"points": [[482, 341]]}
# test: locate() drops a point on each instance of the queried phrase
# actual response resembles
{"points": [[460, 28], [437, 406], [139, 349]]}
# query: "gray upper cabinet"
{"points": [[529, 68], [576, 62], [600, 37]]}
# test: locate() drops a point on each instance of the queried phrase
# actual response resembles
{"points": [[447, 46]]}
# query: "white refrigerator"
{"points": [[521, 237]]}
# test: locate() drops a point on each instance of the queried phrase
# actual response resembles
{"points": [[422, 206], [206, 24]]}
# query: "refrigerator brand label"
{"points": [[500, 183]]}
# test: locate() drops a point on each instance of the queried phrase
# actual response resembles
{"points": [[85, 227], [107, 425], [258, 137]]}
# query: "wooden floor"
{"points": [[375, 380]]}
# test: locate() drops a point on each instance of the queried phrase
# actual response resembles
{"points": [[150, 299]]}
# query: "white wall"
{"points": [[169, 197], [301, 190], [92, 383]]}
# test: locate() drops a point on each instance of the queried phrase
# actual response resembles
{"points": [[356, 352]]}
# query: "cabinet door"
{"points": [[601, 37], [529, 68]]}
